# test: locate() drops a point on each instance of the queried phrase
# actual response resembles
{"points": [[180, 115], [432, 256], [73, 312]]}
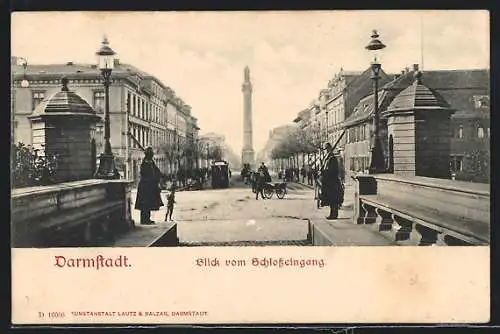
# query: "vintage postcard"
{"points": [[250, 167]]}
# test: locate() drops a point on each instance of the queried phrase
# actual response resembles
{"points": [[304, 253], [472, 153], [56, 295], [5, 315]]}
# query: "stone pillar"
{"points": [[418, 120], [63, 126], [247, 153]]}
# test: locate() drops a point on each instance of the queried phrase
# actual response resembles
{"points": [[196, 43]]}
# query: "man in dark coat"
{"points": [[267, 176], [149, 191], [259, 184], [332, 191], [303, 173]]}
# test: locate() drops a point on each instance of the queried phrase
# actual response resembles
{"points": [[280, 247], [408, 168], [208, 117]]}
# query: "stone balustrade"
{"points": [[72, 214], [414, 210]]}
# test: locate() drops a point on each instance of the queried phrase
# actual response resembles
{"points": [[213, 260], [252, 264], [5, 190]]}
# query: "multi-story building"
{"points": [[325, 116], [139, 103], [344, 91]]}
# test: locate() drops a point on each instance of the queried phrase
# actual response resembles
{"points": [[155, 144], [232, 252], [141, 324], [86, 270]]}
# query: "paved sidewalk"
{"points": [[345, 212]]}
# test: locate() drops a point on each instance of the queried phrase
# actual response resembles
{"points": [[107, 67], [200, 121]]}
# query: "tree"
{"points": [[31, 169], [216, 152], [168, 149]]}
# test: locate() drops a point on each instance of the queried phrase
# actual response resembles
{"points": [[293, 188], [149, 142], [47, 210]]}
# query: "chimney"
{"points": [[415, 67], [403, 72], [407, 69], [396, 76], [117, 62]]}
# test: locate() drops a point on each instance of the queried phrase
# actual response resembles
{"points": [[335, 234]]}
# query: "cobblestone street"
{"points": [[233, 216]]}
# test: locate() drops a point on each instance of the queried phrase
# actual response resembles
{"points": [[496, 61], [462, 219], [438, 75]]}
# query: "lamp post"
{"points": [[377, 164], [107, 168]]}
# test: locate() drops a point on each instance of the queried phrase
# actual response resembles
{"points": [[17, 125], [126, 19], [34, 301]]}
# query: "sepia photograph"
{"points": [[310, 129]]}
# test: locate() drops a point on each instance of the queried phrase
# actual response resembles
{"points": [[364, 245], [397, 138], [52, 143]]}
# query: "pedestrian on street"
{"points": [[303, 173], [259, 185], [149, 190], [332, 190], [263, 168], [170, 204]]}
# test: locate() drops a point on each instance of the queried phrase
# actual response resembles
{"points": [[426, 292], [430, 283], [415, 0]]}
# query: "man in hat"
{"points": [[149, 190], [332, 191]]}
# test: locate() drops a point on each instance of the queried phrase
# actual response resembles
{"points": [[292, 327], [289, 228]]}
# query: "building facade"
{"points": [[139, 104], [323, 119]]}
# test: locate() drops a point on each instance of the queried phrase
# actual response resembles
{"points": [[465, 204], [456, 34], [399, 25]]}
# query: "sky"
{"points": [[291, 55]]}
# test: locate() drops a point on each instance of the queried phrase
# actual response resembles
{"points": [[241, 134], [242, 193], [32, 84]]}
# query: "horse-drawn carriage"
{"points": [[270, 188], [274, 187]]}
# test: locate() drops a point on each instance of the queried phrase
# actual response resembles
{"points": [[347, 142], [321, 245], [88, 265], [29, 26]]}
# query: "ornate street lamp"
{"points": [[107, 168], [24, 83], [377, 164]]}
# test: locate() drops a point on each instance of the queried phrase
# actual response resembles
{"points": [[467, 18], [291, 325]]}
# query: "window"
{"points": [[460, 132], [37, 98], [98, 101], [488, 131], [481, 101], [134, 106], [99, 136], [134, 133], [129, 101], [480, 132], [457, 163]]}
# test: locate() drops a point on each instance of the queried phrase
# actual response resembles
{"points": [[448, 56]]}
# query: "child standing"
{"points": [[170, 204]]}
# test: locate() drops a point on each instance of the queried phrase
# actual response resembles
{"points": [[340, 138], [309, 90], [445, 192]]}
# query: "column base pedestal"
{"points": [[107, 168]]}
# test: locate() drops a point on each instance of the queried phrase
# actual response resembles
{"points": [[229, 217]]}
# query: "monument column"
{"points": [[247, 153]]}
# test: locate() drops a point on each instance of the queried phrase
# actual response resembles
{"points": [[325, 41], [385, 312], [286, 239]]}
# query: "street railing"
{"points": [[424, 211]]}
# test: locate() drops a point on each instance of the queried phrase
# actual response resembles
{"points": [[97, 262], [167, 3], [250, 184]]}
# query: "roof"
{"points": [[365, 108], [67, 69], [418, 96], [70, 67], [79, 70], [455, 87], [65, 102]]}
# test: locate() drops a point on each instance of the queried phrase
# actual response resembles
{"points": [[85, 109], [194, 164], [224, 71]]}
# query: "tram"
{"points": [[220, 174]]}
